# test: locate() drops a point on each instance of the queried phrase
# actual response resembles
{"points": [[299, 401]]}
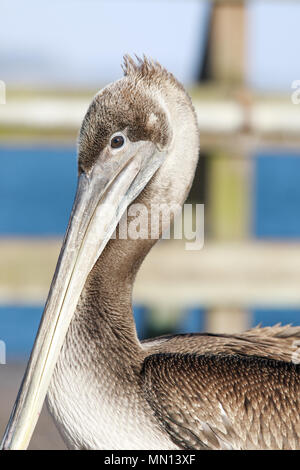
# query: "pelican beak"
{"points": [[102, 197]]}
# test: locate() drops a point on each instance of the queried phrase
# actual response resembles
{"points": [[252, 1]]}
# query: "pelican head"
{"points": [[139, 139]]}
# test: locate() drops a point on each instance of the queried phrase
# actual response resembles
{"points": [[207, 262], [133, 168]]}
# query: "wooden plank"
{"points": [[228, 196], [227, 41], [230, 320], [263, 118], [223, 274]]}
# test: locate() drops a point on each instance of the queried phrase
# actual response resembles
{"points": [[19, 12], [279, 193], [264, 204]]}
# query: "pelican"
{"points": [[139, 143]]}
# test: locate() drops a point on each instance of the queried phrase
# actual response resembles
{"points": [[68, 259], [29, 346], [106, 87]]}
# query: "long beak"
{"points": [[101, 199]]}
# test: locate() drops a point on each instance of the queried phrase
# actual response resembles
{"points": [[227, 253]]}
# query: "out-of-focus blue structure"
{"points": [[37, 191], [277, 195]]}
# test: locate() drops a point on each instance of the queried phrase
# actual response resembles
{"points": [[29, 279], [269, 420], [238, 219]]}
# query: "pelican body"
{"points": [[139, 143]]}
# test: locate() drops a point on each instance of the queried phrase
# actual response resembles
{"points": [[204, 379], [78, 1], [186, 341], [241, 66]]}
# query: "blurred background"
{"points": [[240, 62]]}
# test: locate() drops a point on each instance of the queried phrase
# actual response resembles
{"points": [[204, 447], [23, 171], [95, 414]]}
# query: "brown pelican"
{"points": [[106, 389]]}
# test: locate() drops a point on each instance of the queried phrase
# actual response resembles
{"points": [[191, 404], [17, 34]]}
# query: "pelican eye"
{"points": [[117, 141]]}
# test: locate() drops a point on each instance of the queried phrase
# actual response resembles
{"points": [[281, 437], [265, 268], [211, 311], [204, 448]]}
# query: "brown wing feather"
{"points": [[278, 342], [225, 402]]}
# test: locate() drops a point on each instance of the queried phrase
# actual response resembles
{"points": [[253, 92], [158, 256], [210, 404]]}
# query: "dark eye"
{"points": [[117, 141]]}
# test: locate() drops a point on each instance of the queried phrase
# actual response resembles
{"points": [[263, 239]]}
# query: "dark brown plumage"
{"points": [[225, 401], [123, 105]]}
